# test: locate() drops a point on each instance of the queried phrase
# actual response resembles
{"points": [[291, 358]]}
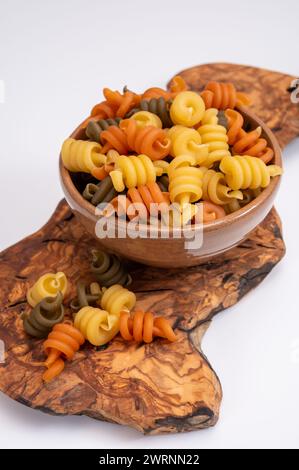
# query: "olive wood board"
{"points": [[159, 387]]}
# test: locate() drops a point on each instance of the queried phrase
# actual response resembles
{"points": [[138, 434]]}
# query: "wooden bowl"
{"points": [[171, 252]]}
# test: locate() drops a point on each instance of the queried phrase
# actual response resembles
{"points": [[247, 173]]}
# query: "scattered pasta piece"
{"points": [[47, 285], [143, 327]]}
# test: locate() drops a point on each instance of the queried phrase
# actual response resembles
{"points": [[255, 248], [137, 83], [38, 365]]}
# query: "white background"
{"points": [[55, 57]]}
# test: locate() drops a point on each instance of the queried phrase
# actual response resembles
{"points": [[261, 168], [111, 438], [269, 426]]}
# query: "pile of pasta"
{"points": [[176, 147], [101, 310]]}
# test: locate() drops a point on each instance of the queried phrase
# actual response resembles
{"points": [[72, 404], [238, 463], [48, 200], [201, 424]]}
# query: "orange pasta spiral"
{"points": [[144, 196], [115, 105], [144, 327], [246, 143], [222, 96], [177, 85], [64, 340], [212, 211], [148, 140], [114, 138]]}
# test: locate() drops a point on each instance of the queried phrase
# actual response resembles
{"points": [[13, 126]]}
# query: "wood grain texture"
{"points": [[154, 388], [268, 90]]}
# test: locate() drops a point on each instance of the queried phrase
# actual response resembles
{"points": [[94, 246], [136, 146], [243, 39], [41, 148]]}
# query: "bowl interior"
{"points": [[76, 182]]}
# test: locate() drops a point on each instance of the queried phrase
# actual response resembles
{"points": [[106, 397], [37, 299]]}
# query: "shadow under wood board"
{"points": [[160, 387]]}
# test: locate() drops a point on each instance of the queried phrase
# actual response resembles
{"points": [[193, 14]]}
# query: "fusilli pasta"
{"points": [[144, 327], [109, 269], [44, 316], [187, 109], [81, 155], [246, 172], [47, 285], [96, 325]]}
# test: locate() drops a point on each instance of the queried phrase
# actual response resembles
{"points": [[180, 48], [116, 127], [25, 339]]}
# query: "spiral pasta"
{"points": [[215, 136], [96, 325], [187, 109], [101, 192], [86, 295], [157, 106], [246, 172], [81, 155], [177, 85], [116, 298], [144, 327], [64, 340], [115, 138], [116, 104], [215, 189], [185, 180], [47, 285], [139, 202], [44, 316], [186, 141], [132, 171], [109, 269], [145, 118], [246, 143], [95, 128], [223, 95], [211, 211], [147, 140]]}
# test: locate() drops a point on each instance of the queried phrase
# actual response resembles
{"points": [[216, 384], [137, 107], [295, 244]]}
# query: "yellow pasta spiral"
{"points": [[82, 155], [96, 325], [215, 189], [47, 285], [187, 109], [215, 136], [132, 171], [245, 172], [185, 180], [116, 298], [145, 118], [186, 141]]}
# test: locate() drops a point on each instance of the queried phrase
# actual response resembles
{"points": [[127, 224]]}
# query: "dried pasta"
{"points": [[96, 325], [246, 172], [143, 327], [109, 269], [185, 180], [157, 106], [211, 212], [132, 171], [187, 109], [101, 192], [145, 118], [147, 140], [47, 285], [116, 299], [186, 141], [246, 143], [62, 343], [87, 295], [215, 189], [139, 202], [223, 95], [81, 155], [44, 316], [215, 136], [95, 128]]}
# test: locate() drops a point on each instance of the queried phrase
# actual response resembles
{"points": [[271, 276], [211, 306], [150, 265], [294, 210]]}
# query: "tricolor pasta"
{"points": [[192, 150]]}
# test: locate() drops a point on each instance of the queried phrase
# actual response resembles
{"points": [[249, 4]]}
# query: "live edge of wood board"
{"points": [[160, 387]]}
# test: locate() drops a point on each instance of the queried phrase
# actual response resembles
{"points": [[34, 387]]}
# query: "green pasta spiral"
{"points": [[102, 192], [108, 269], [158, 106], [94, 128], [87, 295], [44, 316], [163, 183]]}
